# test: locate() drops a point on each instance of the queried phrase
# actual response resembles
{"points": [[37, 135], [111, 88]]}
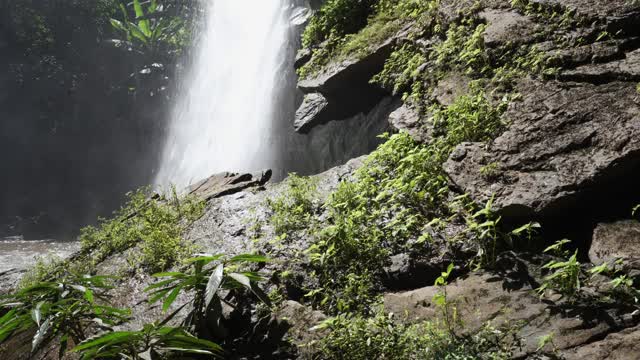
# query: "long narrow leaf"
{"points": [[109, 338], [142, 24], [169, 300], [214, 284], [250, 258], [242, 279]]}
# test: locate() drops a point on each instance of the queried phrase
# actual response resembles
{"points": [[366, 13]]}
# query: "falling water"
{"points": [[223, 120]]}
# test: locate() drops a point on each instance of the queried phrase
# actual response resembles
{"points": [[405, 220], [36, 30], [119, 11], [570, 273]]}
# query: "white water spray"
{"points": [[223, 119]]}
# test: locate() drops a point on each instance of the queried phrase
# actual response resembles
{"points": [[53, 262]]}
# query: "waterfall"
{"points": [[223, 119]]}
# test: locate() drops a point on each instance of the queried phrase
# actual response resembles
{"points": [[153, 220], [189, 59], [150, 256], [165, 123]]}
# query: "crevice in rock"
{"points": [[610, 197]]}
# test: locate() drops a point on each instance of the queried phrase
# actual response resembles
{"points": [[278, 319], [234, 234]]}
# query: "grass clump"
{"points": [[154, 224]]}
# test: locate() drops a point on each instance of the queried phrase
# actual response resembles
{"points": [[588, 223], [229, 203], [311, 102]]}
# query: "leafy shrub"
{"points": [[463, 48], [399, 190], [155, 224], [61, 310], [150, 29], [371, 22], [401, 69], [45, 268], [337, 18], [381, 337], [565, 274], [293, 210], [207, 277], [151, 342]]}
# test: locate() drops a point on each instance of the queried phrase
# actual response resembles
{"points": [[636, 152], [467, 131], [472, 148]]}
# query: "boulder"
{"points": [[303, 322], [613, 9], [310, 111], [407, 118], [407, 272], [352, 71], [624, 345], [565, 143], [335, 142], [598, 52], [450, 87], [613, 241], [302, 57], [507, 26], [484, 297], [626, 69], [341, 90], [228, 183]]}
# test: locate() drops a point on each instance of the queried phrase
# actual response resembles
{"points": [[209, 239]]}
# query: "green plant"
{"points": [[45, 268], [294, 209], [151, 342], [384, 337], [484, 230], [545, 340], [207, 276], [401, 69], [565, 274], [64, 310], [352, 28], [442, 301], [399, 190], [154, 224], [337, 18], [490, 171], [463, 49], [149, 28]]}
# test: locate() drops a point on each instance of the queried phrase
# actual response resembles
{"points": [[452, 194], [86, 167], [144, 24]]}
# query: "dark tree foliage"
{"points": [[81, 118]]}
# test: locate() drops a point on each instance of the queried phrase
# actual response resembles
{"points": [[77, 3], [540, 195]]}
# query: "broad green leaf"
{"points": [[138, 33], [137, 7], [36, 313], [242, 279], [88, 294], [160, 284], [41, 334], [118, 25], [158, 295], [215, 280]]}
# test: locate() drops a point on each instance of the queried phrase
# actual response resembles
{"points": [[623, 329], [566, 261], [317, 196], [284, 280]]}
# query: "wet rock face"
{"points": [[505, 26], [624, 345], [483, 297], [564, 141], [301, 319], [310, 112], [608, 9], [342, 90], [226, 183], [625, 69], [616, 241], [407, 119]]}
